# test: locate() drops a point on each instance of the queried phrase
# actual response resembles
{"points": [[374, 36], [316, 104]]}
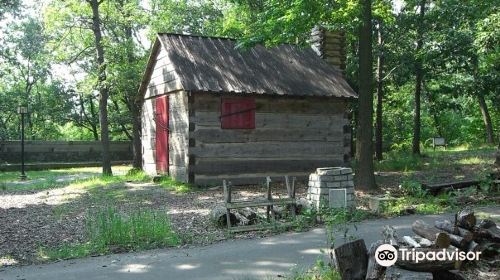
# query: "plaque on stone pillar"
{"points": [[337, 198]]}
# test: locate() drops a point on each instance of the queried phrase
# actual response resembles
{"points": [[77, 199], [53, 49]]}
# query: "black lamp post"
{"points": [[23, 111]]}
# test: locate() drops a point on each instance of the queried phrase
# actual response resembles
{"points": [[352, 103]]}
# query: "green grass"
{"points": [[47, 179], [430, 159], [413, 196], [172, 185], [319, 271], [111, 231], [141, 229]]}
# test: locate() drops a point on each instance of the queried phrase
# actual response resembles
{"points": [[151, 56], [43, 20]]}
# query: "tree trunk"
{"points": [[133, 99], [102, 87], [497, 161], [93, 117], [136, 140], [486, 119], [419, 73], [378, 125], [365, 179]]}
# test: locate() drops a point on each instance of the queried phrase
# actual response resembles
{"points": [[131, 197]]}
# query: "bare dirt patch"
{"points": [[50, 218]]}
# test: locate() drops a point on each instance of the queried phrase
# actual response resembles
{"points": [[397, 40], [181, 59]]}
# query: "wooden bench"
{"points": [[268, 201], [438, 142]]}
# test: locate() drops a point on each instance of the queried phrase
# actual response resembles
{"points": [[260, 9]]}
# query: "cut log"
{"points": [[424, 242], [374, 270], [486, 223], [351, 259], [448, 275], [411, 242], [458, 241], [449, 227], [487, 230], [242, 220], [441, 239], [249, 214], [218, 216], [473, 247], [466, 219], [395, 273], [437, 188], [426, 264], [389, 234], [488, 249]]}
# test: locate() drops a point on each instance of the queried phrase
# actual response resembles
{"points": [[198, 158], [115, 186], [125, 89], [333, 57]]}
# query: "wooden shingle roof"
{"points": [[213, 64]]}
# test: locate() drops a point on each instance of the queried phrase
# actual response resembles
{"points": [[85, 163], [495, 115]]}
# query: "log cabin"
{"points": [[212, 111]]}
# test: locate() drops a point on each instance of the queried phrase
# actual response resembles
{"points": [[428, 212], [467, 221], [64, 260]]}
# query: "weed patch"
{"points": [[142, 229], [319, 271], [111, 231]]}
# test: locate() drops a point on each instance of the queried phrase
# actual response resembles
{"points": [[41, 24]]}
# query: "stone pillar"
{"points": [[331, 187]]}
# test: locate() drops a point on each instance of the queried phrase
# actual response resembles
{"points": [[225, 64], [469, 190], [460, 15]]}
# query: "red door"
{"points": [[162, 134]]}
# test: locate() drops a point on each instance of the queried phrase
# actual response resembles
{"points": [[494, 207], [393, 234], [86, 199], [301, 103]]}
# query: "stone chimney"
{"points": [[329, 45]]}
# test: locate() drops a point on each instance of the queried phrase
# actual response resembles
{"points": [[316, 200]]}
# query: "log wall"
{"points": [[292, 136]]}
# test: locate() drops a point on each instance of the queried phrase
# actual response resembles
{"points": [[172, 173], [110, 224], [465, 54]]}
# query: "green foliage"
{"points": [[48, 60], [319, 271], [141, 229], [412, 188], [400, 161], [48, 179], [111, 231], [306, 219], [342, 220]]}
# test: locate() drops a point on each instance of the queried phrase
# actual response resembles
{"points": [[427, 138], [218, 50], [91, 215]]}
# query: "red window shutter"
{"points": [[238, 113]]}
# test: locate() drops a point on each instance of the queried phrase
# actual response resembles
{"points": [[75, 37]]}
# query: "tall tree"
{"points": [[365, 178], [380, 93], [419, 77], [486, 119], [102, 87]]}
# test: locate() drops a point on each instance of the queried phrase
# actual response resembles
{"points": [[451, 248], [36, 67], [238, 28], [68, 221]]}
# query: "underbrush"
{"points": [[319, 271], [107, 231], [402, 160], [414, 199]]}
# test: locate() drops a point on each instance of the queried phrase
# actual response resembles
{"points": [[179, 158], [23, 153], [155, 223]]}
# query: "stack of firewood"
{"points": [[465, 234]]}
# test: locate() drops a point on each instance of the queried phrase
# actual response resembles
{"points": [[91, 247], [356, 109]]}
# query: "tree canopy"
{"points": [[440, 65]]}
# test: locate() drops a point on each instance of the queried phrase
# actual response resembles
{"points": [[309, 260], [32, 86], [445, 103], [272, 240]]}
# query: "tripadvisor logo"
{"points": [[387, 255]]}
